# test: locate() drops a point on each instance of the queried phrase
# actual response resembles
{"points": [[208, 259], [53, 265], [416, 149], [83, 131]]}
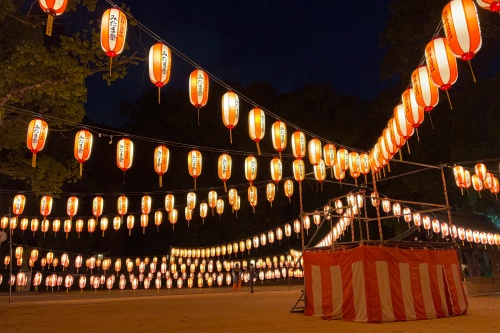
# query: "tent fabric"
{"points": [[377, 284]]}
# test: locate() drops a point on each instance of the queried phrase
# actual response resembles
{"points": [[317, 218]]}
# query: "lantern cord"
{"points": [[471, 71], [198, 116], [110, 65], [432, 123], [408, 146], [158, 95], [418, 137], [449, 100]]}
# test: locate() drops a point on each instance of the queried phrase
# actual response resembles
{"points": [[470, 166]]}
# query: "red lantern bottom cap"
{"points": [[159, 84], [469, 55], [495, 7], [445, 87], [428, 108], [111, 54]]}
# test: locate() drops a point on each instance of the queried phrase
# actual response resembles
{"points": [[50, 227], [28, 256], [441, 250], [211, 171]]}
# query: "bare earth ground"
{"points": [[214, 310]]}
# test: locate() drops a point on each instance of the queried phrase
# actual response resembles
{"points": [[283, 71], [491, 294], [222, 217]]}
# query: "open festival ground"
{"points": [[209, 310]]}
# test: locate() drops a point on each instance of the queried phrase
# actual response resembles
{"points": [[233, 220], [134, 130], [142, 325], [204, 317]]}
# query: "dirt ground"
{"points": [[215, 310]]}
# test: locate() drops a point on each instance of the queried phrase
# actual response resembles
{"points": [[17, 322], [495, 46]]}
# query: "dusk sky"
{"points": [[288, 43]]}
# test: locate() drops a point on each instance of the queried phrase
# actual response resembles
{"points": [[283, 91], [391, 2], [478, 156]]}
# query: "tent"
{"points": [[378, 284]]}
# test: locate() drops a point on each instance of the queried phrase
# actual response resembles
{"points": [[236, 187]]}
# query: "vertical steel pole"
{"points": [[377, 208], [366, 217]]}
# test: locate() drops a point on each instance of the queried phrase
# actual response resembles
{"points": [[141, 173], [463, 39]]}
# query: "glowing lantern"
{"points": [[124, 154], [330, 155], [83, 147], [160, 62], [256, 126], [161, 161], [297, 227], [467, 181], [34, 226], [481, 171], [19, 252], [79, 226], [403, 127], [188, 214], [198, 89], [224, 168], [445, 230], [276, 169], [495, 188], [354, 165], [488, 182], [414, 113], [37, 135], [364, 167], [278, 132], [97, 206], [158, 219], [306, 222], [191, 200], [314, 151], [230, 111], [288, 187], [252, 197], [146, 204], [169, 203], [270, 237], [144, 222], [44, 227], [18, 204], [426, 220], [436, 227], [417, 220], [342, 161], [386, 205], [203, 211], [396, 210], [52, 8], [91, 225], [299, 172], [212, 200], [298, 144], [237, 205], [173, 217], [56, 225], [24, 224], [232, 195], [338, 173], [122, 205], [441, 64], [407, 215], [103, 225], [46, 206], [113, 33], [250, 168], [71, 209], [476, 236], [270, 192], [461, 26], [426, 93], [194, 164], [320, 172], [220, 207], [130, 223]]}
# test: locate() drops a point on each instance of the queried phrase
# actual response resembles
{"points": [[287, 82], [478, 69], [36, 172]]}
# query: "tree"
{"points": [[45, 76]]}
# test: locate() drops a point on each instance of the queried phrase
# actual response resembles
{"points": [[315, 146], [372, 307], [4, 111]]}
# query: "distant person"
{"points": [[251, 272], [237, 277]]}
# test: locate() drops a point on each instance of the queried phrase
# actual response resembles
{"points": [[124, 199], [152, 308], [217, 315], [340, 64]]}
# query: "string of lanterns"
{"points": [[206, 270], [481, 179], [462, 40]]}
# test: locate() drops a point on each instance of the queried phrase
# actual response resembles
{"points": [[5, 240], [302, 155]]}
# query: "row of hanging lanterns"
{"points": [[462, 40], [481, 179]]}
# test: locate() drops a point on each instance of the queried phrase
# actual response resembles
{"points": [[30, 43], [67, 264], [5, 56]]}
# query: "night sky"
{"points": [[287, 43]]}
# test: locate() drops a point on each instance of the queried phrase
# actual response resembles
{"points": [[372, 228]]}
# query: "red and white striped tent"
{"points": [[376, 284]]}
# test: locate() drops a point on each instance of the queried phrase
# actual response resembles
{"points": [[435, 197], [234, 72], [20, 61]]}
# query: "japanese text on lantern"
{"points": [[113, 22]]}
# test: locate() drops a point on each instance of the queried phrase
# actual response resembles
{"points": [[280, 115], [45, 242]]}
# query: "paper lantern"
{"points": [[191, 200], [169, 203], [83, 147], [441, 64], [212, 200], [104, 225], [56, 226], [52, 8], [224, 168], [250, 168], [174, 214], [279, 133], [299, 172], [160, 62], [354, 165], [230, 111], [122, 206], [338, 173], [396, 210], [320, 172], [194, 164], [288, 188], [461, 26], [257, 126], [79, 226], [158, 219], [252, 197], [203, 211], [488, 182], [426, 93], [46, 205], [414, 113], [188, 214], [198, 89], [144, 222], [37, 135], [298, 144], [161, 161], [407, 215], [314, 151], [342, 161], [130, 223], [71, 210], [386, 205], [113, 32], [124, 154], [220, 207], [44, 227], [297, 227], [270, 192], [330, 156], [231, 196], [91, 223], [276, 169], [146, 204], [481, 171], [18, 204], [24, 224]]}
